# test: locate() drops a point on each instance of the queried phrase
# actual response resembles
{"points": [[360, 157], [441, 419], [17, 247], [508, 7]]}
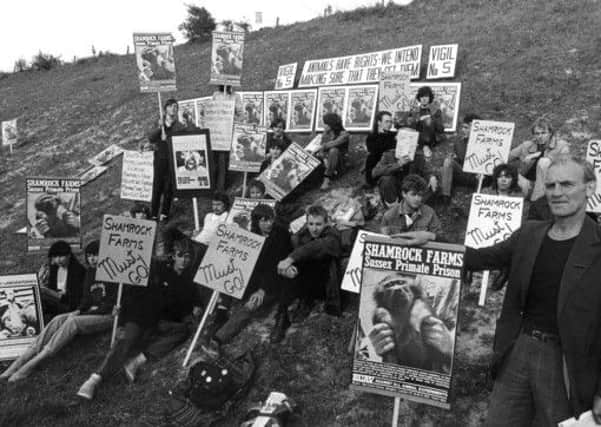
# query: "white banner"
{"points": [[137, 175], [285, 78]]}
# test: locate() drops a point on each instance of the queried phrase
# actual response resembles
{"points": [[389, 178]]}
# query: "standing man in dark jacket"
{"points": [[377, 142]]}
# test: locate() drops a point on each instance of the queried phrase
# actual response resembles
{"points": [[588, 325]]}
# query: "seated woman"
{"points": [[504, 182], [92, 316], [154, 319], [334, 146], [426, 118]]}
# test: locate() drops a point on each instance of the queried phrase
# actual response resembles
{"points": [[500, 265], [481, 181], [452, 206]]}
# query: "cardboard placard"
{"points": [[360, 107], [406, 143], [441, 61], [53, 212], [302, 110], [155, 58], [251, 111], [352, 276], [186, 112], [200, 110], [125, 250], [276, 106], [248, 148], [9, 132], [593, 155], [226, 58], [191, 162], [285, 77], [240, 212], [219, 119], [362, 68], [396, 95], [230, 260], [492, 219], [330, 100], [489, 145], [137, 175], [21, 314]]}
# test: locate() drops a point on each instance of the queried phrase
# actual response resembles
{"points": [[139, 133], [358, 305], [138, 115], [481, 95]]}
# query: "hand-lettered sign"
{"points": [[488, 145], [492, 219], [593, 155]]}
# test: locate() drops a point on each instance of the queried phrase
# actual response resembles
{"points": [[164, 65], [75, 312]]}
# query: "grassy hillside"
{"points": [[517, 60]]}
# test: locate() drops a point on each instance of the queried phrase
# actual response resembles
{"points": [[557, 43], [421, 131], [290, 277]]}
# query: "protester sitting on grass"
{"points": [[278, 135], [314, 263], [377, 142], [93, 315], [426, 118], [256, 189], [452, 167], [61, 281], [533, 157], [504, 182], [154, 319], [334, 146], [411, 214], [275, 150], [220, 206]]}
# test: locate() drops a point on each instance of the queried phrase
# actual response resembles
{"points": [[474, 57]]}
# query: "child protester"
{"points": [[93, 315]]}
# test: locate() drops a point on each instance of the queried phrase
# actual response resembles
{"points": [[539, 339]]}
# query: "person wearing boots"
{"points": [[155, 319]]}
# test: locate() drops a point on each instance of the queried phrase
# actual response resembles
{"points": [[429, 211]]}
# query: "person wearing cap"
{"points": [[61, 280], [159, 142], [93, 315]]}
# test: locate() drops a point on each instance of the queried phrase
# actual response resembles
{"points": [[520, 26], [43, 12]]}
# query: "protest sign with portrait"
{"points": [[285, 77], [186, 113], [446, 98], [200, 104], [155, 58], [9, 132], [492, 219], [230, 260], [412, 295], [360, 107], [125, 250], [137, 175], [219, 119], [226, 58], [489, 145], [302, 109], [106, 155], [251, 111], [276, 106], [593, 155], [241, 209], [396, 96], [330, 100], [441, 61], [53, 212], [21, 319], [248, 148], [91, 174], [362, 68], [287, 171], [191, 163]]}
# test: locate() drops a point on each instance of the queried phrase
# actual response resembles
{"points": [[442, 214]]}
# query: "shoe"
{"points": [[132, 366], [282, 324], [86, 391]]}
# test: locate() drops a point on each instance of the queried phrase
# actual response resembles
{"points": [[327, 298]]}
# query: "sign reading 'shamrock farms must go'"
{"points": [[230, 260], [125, 250]]}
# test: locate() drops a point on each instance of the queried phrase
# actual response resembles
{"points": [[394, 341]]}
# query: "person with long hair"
{"points": [[377, 142], [334, 146], [504, 182]]}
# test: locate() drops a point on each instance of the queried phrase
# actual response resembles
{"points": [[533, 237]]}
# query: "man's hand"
{"points": [[596, 410], [415, 238], [382, 335], [284, 264], [255, 300]]}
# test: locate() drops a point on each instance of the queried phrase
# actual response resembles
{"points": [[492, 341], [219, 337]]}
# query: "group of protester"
{"points": [[548, 345]]}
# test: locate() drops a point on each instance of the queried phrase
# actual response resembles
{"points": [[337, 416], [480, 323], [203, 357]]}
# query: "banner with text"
{"points": [[488, 146], [155, 58], [230, 260], [285, 77], [593, 155], [125, 250], [137, 174], [219, 119], [441, 61], [492, 219], [226, 58]]}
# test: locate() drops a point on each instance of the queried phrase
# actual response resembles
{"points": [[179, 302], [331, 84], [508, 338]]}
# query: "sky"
{"points": [[71, 27]]}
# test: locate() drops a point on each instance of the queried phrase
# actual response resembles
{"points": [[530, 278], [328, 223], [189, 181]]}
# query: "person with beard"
{"points": [[377, 142]]}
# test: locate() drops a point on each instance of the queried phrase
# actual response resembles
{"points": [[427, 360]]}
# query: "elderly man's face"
{"points": [[566, 190]]}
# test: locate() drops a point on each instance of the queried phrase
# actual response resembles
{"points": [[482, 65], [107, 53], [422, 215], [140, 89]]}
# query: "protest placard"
{"points": [[137, 174], [302, 109], [9, 132], [275, 107], [352, 276], [186, 113], [396, 95], [22, 320], [125, 250], [446, 98], [191, 162], [251, 111], [285, 77], [230, 260], [248, 148], [492, 219], [226, 58], [155, 58], [241, 209], [330, 100], [200, 110], [360, 107], [362, 68], [53, 212], [91, 174], [488, 146], [593, 155], [406, 143], [219, 119], [409, 294], [441, 61], [287, 171], [106, 155]]}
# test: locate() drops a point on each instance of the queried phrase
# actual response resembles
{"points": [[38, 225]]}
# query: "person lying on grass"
{"points": [[155, 319], [92, 316]]}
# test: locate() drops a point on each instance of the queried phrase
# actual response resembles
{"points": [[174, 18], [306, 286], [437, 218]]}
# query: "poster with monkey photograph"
{"points": [[406, 329]]}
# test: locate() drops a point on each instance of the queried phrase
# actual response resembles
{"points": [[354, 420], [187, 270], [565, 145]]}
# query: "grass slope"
{"points": [[517, 60]]}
